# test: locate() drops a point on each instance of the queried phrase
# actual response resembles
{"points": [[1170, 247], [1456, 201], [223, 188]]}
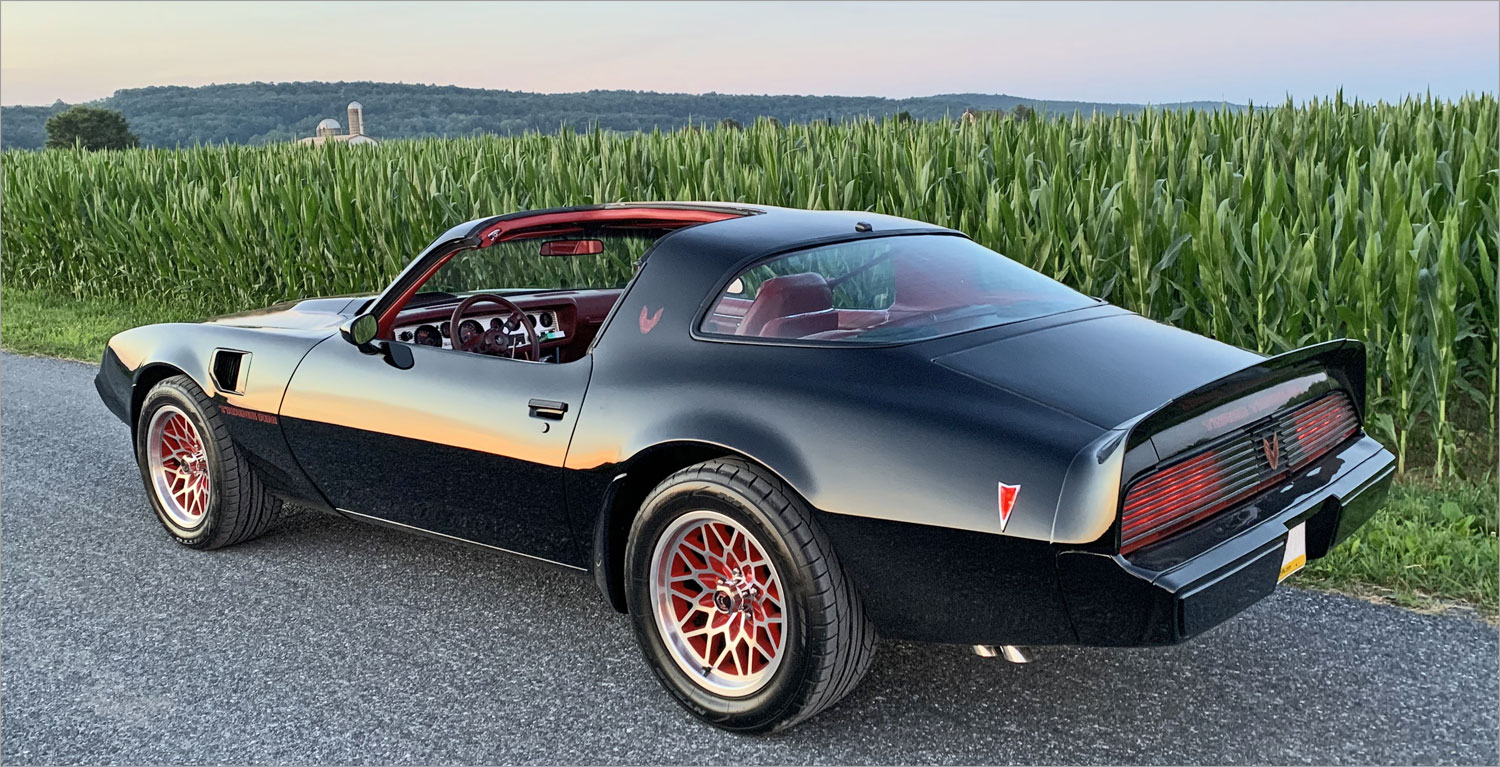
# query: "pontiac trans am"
{"points": [[770, 435]]}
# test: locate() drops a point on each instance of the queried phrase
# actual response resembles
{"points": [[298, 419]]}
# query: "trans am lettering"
{"points": [[253, 415]]}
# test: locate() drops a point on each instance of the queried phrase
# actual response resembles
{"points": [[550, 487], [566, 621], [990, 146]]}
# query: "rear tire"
{"points": [[204, 492], [782, 639]]}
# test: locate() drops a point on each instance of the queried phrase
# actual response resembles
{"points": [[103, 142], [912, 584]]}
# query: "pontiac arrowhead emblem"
{"points": [[1271, 446], [648, 321], [1008, 495]]}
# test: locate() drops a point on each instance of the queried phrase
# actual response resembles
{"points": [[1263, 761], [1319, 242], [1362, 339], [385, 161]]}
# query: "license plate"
{"points": [[1295, 555]]}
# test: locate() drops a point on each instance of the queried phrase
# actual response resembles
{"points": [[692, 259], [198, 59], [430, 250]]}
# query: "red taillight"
{"points": [[1176, 497], [1321, 426]]}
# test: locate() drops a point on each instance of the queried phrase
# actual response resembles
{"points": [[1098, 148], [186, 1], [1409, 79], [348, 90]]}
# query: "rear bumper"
{"points": [[1184, 586]]}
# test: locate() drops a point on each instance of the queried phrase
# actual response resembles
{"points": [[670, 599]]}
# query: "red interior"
{"points": [[557, 224], [800, 306], [800, 300], [567, 222], [580, 314], [572, 247]]}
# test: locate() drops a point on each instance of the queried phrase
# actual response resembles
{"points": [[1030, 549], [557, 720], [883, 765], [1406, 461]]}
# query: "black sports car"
{"points": [[770, 435]]}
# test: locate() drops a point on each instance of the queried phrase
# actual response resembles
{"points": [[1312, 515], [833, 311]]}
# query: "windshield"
{"points": [[885, 290], [602, 260]]}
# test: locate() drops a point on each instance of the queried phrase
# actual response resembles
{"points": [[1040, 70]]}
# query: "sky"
{"points": [[1113, 51]]}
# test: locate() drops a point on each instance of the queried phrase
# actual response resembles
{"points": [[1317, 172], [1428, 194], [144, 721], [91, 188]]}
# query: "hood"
{"points": [[304, 314], [1106, 370]]}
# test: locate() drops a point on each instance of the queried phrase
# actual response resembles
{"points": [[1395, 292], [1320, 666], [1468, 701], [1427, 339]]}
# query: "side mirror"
{"points": [[397, 355], [361, 331]]}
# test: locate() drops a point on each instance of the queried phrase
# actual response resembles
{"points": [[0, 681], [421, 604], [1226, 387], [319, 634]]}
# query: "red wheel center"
{"points": [[722, 604], [183, 474]]}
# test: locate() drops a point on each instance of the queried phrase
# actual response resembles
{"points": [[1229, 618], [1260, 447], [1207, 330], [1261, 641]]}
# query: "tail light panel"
{"points": [[1197, 487]]}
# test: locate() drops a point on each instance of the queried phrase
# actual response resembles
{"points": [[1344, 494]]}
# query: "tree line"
{"points": [[262, 113]]}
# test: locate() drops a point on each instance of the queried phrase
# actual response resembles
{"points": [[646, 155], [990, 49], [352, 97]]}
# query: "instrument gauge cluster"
{"points": [[546, 323], [427, 335], [467, 330]]}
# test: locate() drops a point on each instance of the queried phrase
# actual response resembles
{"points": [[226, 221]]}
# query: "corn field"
{"points": [[1267, 229]]}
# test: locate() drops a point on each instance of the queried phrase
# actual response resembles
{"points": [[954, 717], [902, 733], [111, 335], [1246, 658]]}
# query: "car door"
{"points": [[463, 445]]}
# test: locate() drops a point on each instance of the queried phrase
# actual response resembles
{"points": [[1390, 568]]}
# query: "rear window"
{"points": [[885, 290]]}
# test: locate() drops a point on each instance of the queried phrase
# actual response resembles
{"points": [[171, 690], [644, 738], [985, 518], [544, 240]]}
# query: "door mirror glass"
{"points": [[398, 355], [361, 330]]}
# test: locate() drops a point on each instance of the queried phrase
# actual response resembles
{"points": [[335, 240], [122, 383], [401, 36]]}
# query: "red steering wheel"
{"points": [[495, 342]]}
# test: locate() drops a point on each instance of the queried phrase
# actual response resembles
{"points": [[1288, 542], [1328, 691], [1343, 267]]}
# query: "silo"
{"points": [[356, 119], [329, 127]]}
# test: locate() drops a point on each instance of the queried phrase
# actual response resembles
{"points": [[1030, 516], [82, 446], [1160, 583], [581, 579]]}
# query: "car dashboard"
{"points": [[547, 323], [565, 321]]}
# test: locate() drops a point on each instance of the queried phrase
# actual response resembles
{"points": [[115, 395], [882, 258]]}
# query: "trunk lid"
{"points": [[1106, 370], [1168, 386]]}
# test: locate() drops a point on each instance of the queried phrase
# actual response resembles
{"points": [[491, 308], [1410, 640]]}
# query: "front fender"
{"points": [[188, 348], [135, 360]]}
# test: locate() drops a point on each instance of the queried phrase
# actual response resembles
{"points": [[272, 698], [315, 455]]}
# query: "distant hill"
{"points": [[258, 113]]}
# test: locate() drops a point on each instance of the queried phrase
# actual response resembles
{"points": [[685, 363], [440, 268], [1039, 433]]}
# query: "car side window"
{"points": [[884, 290]]}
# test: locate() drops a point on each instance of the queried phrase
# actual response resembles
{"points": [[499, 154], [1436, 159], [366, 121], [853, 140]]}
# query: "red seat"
{"points": [[801, 325], [783, 297]]}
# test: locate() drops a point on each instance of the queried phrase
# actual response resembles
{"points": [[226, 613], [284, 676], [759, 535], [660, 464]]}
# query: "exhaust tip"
{"points": [[1009, 652]]}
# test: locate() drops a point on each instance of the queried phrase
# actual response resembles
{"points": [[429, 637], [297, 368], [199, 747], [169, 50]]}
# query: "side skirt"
{"points": [[378, 522]]}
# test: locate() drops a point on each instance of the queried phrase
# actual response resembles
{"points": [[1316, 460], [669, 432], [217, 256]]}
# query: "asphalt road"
{"points": [[328, 641]]}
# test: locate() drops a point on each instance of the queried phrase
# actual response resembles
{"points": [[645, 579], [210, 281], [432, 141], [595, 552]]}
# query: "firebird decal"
{"points": [[1008, 495], [649, 322], [1271, 446]]}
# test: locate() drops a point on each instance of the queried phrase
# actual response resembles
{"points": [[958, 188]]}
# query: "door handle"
{"points": [[551, 410]]}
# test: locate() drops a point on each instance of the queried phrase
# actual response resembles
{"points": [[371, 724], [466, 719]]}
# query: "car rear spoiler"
{"points": [[1342, 360]]}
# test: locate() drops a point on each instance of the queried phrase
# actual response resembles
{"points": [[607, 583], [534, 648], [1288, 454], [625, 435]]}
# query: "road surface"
{"points": [[328, 641]]}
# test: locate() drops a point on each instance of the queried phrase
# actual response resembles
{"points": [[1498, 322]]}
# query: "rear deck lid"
{"points": [[1105, 370]]}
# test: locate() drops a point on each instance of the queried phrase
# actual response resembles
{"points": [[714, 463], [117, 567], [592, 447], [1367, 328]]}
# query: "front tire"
{"points": [[204, 492], [738, 601]]}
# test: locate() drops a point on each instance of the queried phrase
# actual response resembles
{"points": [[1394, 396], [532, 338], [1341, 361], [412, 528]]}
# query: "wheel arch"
{"points": [[629, 488], [150, 354], [147, 377]]}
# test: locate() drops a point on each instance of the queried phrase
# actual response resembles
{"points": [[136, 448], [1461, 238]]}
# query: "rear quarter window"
{"points": [[884, 290]]}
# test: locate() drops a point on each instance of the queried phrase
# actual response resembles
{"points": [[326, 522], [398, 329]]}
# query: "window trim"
{"points": [[746, 264]]}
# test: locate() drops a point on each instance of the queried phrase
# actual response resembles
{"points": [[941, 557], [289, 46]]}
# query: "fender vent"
{"points": [[230, 368]]}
